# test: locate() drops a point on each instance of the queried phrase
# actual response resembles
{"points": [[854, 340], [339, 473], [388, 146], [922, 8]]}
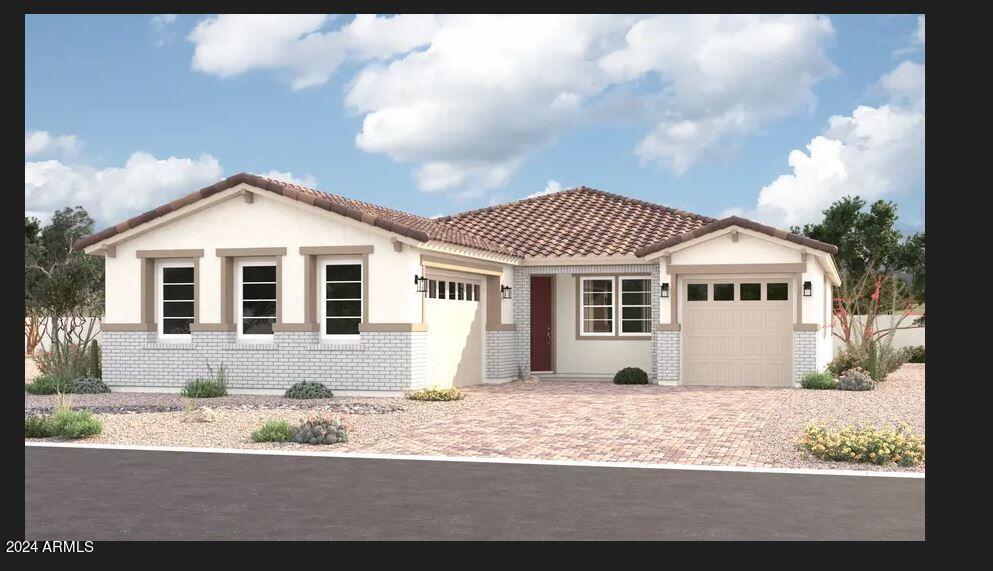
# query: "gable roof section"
{"points": [[741, 223], [410, 225], [576, 222]]}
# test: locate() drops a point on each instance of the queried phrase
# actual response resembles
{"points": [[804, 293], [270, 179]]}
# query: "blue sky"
{"points": [[483, 126]]}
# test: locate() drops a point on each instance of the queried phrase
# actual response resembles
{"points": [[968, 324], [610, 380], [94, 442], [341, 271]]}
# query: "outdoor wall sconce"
{"points": [[808, 289], [420, 283], [665, 290], [505, 291]]}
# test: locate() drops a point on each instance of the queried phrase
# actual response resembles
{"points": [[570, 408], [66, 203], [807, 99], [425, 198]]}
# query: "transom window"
{"points": [[452, 290], [342, 298], [636, 306], [257, 299], [744, 291], [597, 306], [176, 309]]}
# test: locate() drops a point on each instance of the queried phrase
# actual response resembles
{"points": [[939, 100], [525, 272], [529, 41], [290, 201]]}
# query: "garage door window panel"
{"points": [[777, 291]]}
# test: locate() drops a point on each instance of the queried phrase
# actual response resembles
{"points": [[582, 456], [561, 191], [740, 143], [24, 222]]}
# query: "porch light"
{"points": [[420, 283], [808, 289], [505, 291], [665, 290]]}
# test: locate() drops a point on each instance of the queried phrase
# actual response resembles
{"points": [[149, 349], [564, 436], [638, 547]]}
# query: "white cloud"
{"points": [[874, 152], [552, 186], [114, 193], [41, 143], [467, 98], [308, 180], [161, 25], [919, 34], [230, 44]]}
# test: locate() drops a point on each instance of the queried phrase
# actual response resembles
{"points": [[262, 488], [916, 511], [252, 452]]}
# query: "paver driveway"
{"points": [[589, 420], [600, 421]]}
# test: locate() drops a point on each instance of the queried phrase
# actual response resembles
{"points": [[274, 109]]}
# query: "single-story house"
{"points": [[280, 283]]}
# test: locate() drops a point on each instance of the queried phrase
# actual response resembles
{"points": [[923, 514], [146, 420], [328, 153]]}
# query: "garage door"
{"points": [[454, 315], [738, 333]]}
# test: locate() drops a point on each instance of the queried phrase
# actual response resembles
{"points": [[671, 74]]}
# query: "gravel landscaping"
{"points": [[576, 420]]}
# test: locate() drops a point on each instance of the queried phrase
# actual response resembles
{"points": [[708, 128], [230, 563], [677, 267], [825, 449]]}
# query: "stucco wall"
{"points": [[591, 356], [265, 223]]}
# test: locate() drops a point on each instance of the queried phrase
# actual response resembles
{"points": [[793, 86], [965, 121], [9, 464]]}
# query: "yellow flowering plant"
{"points": [[864, 444]]}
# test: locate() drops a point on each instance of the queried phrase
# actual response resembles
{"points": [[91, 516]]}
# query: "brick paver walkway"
{"points": [[600, 421]]}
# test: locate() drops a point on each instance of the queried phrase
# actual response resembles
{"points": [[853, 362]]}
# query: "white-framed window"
{"points": [[596, 306], [636, 305], [256, 299], [341, 290], [176, 300]]}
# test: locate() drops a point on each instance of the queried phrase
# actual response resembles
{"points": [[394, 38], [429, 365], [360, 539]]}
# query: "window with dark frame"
{"points": [[177, 300], [258, 299], [342, 299]]}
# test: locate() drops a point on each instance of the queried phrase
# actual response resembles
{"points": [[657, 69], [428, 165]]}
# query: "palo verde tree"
{"points": [[63, 289], [882, 271]]}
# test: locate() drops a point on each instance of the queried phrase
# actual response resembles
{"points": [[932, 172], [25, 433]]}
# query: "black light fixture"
{"points": [[808, 289], [665, 290], [505, 291], [420, 283]]}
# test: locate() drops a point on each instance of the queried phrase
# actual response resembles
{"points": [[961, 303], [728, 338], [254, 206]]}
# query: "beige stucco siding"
{"points": [[722, 249], [269, 221], [602, 357]]}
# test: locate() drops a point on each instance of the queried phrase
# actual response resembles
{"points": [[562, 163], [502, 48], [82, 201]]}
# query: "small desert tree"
{"points": [[882, 272], [63, 290]]}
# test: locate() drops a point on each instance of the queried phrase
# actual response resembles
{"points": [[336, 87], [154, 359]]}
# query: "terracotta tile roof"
{"points": [[577, 222], [402, 223], [742, 223]]}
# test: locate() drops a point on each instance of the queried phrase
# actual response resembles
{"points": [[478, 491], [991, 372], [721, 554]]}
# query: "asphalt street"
{"points": [[100, 494]]}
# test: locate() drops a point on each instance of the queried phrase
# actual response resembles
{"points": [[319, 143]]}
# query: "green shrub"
{"points": [[274, 431], [74, 423], [211, 387], [882, 359], [631, 376], [914, 354], [37, 427], [308, 390], [864, 444], [844, 361], [436, 394], [87, 386], [321, 430], [46, 385], [855, 379], [823, 380]]}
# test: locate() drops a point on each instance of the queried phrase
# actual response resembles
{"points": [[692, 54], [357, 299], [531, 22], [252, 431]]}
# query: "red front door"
{"points": [[541, 323]]}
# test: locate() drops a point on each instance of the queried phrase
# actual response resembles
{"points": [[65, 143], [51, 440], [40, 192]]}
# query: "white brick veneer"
{"points": [[501, 361], [381, 361], [522, 301], [804, 354], [667, 354]]}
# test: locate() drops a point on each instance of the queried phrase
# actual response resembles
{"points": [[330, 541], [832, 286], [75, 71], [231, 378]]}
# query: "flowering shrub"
{"points": [[856, 379], [864, 444], [436, 394]]}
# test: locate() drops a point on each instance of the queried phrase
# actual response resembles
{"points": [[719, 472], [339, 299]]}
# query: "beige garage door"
{"points": [[738, 332], [454, 315]]}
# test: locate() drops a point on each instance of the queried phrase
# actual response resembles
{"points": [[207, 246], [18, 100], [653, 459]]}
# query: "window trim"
{"points": [[322, 265], [160, 267], [621, 306], [239, 265], [582, 306]]}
